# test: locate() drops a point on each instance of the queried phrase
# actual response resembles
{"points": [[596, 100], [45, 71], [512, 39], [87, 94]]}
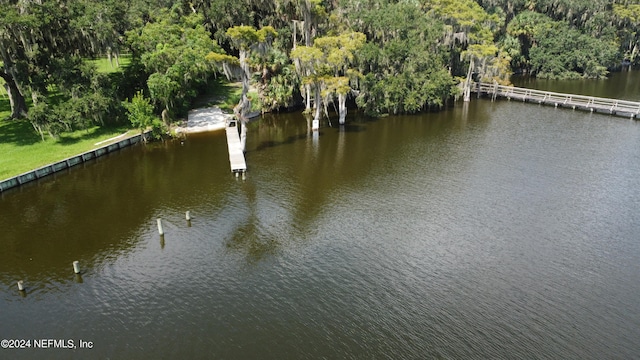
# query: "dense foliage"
{"points": [[385, 56]]}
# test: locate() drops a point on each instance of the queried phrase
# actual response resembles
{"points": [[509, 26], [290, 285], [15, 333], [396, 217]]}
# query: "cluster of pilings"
{"points": [[76, 264], [76, 269]]}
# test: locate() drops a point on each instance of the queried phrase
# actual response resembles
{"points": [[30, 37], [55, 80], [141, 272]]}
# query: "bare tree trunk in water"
{"points": [[467, 83], [342, 107], [318, 105]]}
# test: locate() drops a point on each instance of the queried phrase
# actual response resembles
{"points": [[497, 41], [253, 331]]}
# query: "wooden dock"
{"points": [[236, 155], [630, 109]]}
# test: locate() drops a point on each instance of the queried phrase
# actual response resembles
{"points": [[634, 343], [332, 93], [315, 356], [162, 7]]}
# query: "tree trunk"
{"points": [[165, 117], [245, 105], [16, 99], [243, 136], [294, 34], [467, 83], [318, 105], [307, 91], [342, 107]]}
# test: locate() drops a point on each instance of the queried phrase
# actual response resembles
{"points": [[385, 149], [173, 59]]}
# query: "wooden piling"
{"points": [[160, 230]]}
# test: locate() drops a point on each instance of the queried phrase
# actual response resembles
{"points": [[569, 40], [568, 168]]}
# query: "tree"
{"points": [[276, 79], [247, 39], [32, 34], [338, 55], [172, 50], [140, 114], [474, 28], [404, 62], [629, 16], [556, 50], [307, 60]]}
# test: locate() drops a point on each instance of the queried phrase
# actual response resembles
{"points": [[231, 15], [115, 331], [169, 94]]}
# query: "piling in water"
{"points": [[76, 267], [187, 215], [20, 285], [160, 231]]}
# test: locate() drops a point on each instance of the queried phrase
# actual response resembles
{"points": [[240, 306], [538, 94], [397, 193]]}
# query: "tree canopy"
{"points": [[384, 56]]}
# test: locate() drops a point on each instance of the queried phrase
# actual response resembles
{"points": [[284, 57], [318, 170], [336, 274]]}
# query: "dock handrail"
{"points": [[592, 103]]}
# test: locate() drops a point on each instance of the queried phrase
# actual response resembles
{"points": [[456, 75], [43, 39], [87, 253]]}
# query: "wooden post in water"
{"points": [[188, 216], [20, 285], [76, 267], [160, 230]]}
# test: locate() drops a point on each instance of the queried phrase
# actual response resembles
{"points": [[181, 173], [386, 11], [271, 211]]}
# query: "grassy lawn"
{"points": [[226, 96], [104, 66], [22, 149]]}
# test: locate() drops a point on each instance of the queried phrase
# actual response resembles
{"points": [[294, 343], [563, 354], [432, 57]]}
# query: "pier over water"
{"points": [[610, 106], [236, 155]]}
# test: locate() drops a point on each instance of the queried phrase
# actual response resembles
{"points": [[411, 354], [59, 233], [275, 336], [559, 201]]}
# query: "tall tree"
{"points": [[247, 39], [33, 34], [172, 49], [404, 61], [330, 69], [555, 50]]}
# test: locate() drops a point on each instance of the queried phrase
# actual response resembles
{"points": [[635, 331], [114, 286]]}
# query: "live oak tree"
{"points": [[172, 50], [404, 62], [555, 50], [35, 34]]}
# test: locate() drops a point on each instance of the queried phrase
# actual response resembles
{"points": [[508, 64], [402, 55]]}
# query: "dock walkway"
{"points": [[617, 107], [236, 155]]}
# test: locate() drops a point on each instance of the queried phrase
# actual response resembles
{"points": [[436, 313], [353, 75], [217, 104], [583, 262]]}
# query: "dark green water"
{"points": [[492, 230]]}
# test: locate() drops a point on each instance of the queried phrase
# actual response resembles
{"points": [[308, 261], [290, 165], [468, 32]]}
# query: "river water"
{"points": [[491, 230]]}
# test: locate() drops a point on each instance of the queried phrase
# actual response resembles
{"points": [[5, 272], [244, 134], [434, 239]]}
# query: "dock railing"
{"points": [[582, 102]]}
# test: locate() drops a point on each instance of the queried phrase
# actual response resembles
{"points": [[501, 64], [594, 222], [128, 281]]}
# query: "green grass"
{"points": [[104, 66], [3, 91], [226, 96], [23, 150], [220, 93]]}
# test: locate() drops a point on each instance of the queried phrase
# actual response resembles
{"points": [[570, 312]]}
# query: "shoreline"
{"points": [[208, 119], [199, 121], [204, 120], [52, 168]]}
